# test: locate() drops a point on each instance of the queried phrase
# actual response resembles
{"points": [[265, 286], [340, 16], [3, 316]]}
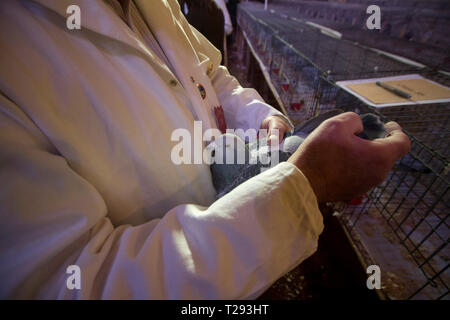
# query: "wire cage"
{"points": [[401, 225], [409, 211], [429, 122], [419, 26], [297, 55]]}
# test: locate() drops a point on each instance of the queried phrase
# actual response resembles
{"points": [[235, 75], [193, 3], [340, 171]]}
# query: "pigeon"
{"points": [[236, 161], [373, 127], [224, 154]]}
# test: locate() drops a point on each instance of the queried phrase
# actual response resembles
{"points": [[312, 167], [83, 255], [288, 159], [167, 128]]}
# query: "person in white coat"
{"points": [[86, 177]]}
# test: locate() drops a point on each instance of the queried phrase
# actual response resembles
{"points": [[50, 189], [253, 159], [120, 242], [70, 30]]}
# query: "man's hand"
{"points": [[339, 165], [273, 122]]}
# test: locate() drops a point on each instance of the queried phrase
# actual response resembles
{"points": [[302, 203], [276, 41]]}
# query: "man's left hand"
{"points": [[273, 123]]}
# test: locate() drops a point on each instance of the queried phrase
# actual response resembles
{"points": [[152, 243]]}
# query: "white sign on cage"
{"points": [[378, 92]]}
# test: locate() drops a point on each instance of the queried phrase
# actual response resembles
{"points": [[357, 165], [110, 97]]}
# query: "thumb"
{"points": [[396, 140]]}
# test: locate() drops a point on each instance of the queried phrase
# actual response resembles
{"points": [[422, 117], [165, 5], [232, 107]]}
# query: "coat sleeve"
{"points": [[53, 218], [244, 108]]}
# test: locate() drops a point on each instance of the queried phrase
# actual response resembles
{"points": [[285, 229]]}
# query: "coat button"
{"points": [[202, 90], [173, 82]]}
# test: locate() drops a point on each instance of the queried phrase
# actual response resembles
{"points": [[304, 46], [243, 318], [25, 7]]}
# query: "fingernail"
{"points": [[271, 138]]}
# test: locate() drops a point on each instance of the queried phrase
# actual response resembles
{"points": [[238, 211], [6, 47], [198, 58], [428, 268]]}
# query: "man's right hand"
{"points": [[341, 166]]}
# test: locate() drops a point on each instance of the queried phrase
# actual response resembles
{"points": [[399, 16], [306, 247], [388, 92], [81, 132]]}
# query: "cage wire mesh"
{"points": [[414, 203], [403, 223]]}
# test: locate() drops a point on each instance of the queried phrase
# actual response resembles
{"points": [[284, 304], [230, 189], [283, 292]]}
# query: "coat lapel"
{"points": [[166, 25]]}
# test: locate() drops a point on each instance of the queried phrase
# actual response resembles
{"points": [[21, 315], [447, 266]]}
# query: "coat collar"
{"points": [[164, 18], [182, 48]]}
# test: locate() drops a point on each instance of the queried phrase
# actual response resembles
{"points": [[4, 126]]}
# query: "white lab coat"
{"points": [[86, 179]]}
